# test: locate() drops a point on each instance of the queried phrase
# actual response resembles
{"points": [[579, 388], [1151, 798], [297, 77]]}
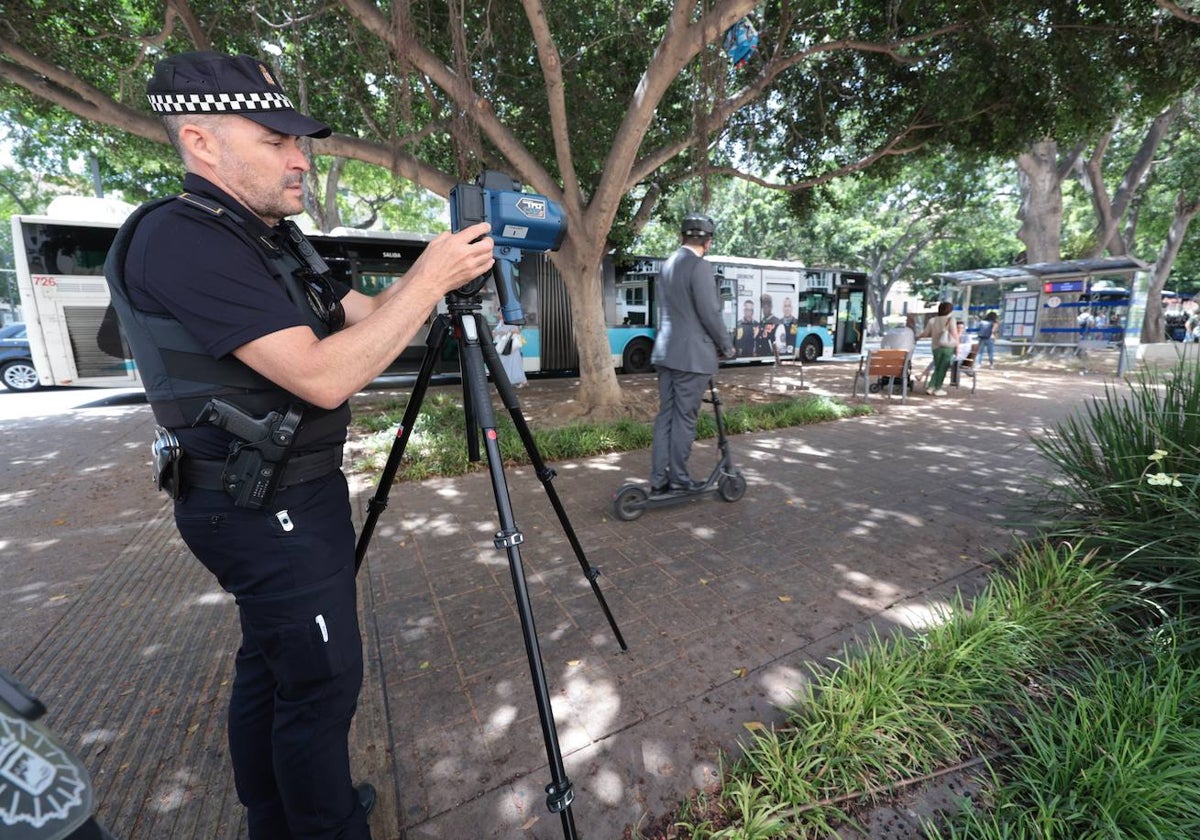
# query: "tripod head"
{"points": [[520, 222]]}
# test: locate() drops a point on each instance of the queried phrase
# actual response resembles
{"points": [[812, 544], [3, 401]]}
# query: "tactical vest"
{"points": [[179, 375]]}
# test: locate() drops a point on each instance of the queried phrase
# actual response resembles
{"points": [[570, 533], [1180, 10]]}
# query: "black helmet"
{"points": [[697, 224]]}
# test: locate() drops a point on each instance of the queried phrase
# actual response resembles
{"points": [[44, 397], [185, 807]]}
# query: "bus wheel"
{"points": [[810, 349], [636, 358]]}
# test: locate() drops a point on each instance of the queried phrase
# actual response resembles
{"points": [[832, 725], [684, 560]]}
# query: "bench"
{"points": [[876, 364]]}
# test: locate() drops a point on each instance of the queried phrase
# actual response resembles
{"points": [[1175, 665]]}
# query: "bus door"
{"points": [[727, 294], [851, 312], [779, 290]]}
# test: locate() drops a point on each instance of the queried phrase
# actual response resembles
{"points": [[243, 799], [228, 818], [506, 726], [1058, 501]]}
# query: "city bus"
{"points": [[773, 309], [65, 301]]}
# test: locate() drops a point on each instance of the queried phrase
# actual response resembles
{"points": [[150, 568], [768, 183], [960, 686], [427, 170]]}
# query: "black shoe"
{"points": [[660, 490], [366, 796], [687, 487]]}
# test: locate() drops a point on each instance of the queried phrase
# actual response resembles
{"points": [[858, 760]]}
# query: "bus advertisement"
{"points": [[773, 309]]}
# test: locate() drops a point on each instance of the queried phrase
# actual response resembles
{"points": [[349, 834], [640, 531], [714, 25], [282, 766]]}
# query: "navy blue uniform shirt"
{"points": [[218, 286]]}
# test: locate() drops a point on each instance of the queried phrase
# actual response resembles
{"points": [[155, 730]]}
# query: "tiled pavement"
{"points": [[845, 526]]}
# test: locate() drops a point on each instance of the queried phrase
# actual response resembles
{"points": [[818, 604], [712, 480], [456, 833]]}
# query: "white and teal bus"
{"points": [[64, 300], [773, 309]]}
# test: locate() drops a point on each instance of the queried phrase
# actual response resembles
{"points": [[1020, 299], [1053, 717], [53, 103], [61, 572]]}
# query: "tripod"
{"points": [[476, 350]]}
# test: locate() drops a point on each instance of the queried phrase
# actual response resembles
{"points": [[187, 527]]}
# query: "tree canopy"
{"points": [[608, 107]]}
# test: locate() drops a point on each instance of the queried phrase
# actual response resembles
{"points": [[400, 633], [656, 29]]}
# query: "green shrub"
{"points": [[1128, 480]]}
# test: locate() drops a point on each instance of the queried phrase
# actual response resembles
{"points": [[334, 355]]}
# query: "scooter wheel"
{"points": [[629, 503], [732, 487]]}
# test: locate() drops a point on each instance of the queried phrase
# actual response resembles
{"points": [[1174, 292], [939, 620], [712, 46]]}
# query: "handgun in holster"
{"points": [[256, 460]]}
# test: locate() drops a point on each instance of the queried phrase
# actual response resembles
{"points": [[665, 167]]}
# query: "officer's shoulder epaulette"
{"points": [[202, 203]]}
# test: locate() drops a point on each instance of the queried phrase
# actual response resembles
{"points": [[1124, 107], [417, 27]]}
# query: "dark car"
{"points": [[16, 363]]}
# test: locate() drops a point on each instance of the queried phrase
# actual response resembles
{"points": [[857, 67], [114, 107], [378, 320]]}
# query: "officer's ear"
{"points": [[198, 142]]}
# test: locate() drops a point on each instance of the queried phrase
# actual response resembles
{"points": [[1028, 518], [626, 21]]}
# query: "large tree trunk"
{"points": [[1186, 209], [599, 392], [1040, 175]]}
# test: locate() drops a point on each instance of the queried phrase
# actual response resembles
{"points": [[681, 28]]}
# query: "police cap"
{"points": [[699, 225], [213, 83]]}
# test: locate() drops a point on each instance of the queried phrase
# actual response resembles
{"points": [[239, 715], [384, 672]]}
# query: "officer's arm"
{"points": [[326, 372]]}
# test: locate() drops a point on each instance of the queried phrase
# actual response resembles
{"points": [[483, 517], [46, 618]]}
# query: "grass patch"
{"points": [[437, 445], [896, 710], [1109, 750]]}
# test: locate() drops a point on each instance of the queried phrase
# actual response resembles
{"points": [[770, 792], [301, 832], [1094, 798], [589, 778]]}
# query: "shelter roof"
{"points": [[1040, 272]]}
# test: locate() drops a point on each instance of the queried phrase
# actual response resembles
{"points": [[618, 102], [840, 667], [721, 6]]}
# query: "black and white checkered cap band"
{"points": [[217, 103]]}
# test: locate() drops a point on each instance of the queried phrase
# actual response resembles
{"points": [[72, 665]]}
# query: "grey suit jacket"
{"points": [[690, 328]]}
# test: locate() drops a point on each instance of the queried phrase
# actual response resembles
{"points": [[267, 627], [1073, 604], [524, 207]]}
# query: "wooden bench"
{"points": [[891, 363]]}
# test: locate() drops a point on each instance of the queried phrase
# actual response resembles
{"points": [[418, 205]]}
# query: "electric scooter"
{"points": [[632, 500]]}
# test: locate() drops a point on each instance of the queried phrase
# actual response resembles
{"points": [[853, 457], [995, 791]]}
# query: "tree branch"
{"points": [[1178, 12], [409, 51], [551, 63], [52, 83]]}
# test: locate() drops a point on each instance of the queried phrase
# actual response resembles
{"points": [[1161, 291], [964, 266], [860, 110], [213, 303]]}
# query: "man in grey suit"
{"points": [[690, 331]]}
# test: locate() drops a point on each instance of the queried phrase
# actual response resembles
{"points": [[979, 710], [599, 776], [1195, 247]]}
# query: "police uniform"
{"points": [[194, 277]]}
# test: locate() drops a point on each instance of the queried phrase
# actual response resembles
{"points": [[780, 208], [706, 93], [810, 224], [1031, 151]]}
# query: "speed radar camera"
{"points": [[521, 222]]}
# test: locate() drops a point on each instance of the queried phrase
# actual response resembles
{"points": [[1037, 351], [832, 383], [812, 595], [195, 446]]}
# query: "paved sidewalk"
{"points": [[845, 526]]}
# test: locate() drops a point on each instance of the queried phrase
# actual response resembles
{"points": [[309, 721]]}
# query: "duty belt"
{"points": [[206, 475]]}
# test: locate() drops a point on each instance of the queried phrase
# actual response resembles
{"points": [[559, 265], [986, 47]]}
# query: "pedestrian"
{"points": [[690, 333], [508, 341], [942, 329], [901, 337], [986, 335], [221, 297]]}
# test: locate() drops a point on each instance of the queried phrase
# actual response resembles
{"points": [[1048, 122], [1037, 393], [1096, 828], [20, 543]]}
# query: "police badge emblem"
{"points": [[42, 785]]}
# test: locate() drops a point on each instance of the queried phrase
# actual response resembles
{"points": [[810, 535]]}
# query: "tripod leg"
{"points": [[433, 346], [559, 793], [545, 474]]}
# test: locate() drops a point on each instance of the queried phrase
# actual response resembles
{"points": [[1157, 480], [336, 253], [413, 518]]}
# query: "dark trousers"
{"points": [[299, 668], [680, 393]]}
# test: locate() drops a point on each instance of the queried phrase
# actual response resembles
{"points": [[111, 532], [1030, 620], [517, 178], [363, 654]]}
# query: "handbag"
{"points": [[945, 338]]}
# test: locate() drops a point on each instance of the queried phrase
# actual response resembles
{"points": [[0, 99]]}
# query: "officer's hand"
{"points": [[729, 353], [454, 259]]}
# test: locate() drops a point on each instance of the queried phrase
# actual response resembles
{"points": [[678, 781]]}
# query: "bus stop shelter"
{"points": [[1080, 304]]}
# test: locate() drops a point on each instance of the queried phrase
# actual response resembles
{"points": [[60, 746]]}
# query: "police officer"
{"points": [[690, 331], [221, 297]]}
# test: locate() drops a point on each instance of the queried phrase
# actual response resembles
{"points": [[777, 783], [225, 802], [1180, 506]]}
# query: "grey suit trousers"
{"points": [[680, 393]]}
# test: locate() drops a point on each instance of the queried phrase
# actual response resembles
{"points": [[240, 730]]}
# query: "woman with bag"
{"points": [[943, 330]]}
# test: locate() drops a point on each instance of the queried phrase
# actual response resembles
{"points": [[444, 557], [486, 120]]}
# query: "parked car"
{"points": [[16, 363]]}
